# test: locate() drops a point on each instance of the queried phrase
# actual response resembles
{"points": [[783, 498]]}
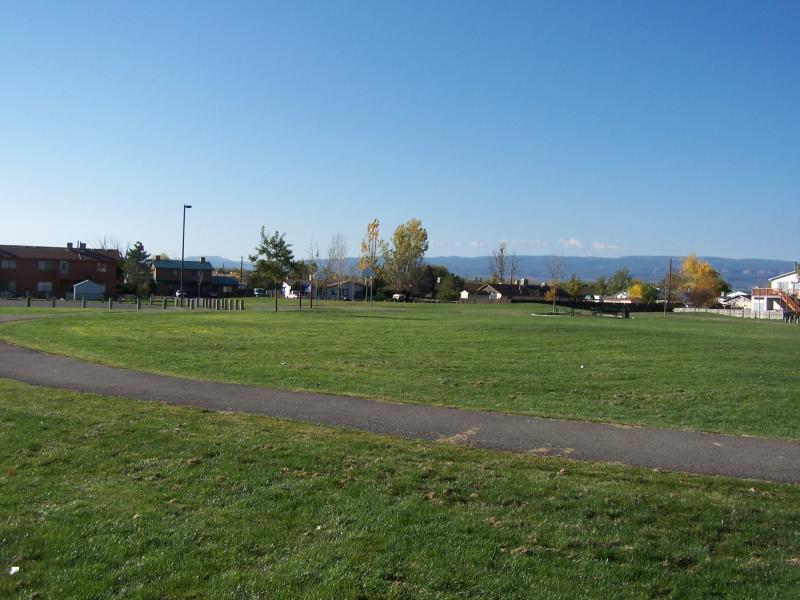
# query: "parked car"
{"points": [[181, 294], [398, 297], [259, 292]]}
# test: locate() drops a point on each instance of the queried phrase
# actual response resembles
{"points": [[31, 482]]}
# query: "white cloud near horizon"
{"points": [[571, 243], [603, 246]]}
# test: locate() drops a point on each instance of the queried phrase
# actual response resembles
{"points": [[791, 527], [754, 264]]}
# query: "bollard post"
{"points": [[28, 301], [242, 304], [83, 302], [163, 304], [110, 304], [138, 303], [53, 303]]}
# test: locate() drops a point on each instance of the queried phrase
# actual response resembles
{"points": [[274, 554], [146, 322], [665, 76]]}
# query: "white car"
{"points": [[398, 297]]}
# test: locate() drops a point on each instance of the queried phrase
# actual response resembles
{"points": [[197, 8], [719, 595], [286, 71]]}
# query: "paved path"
{"points": [[665, 449]]}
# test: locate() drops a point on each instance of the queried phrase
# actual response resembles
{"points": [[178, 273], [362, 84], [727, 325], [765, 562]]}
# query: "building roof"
{"points": [[192, 265], [514, 290], [59, 253], [224, 280], [88, 284], [782, 275], [473, 286], [344, 282]]}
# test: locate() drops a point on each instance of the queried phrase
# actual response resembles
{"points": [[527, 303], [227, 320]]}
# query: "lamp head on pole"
{"points": [[187, 206]]}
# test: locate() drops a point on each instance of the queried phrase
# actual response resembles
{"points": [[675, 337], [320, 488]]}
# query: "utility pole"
{"points": [[183, 242]]}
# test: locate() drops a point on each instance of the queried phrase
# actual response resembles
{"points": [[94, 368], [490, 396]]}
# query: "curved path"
{"points": [[667, 449]]}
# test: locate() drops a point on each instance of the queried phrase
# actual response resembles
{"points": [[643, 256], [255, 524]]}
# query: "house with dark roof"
{"points": [[512, 292], [167, 276], [472, 293], [223, 285], [52, 272], [345, 290]]}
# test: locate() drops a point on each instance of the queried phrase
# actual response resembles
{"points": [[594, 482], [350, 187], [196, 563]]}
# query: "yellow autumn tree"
{"points": [[369, 247], [635, 291], [700, 282]]}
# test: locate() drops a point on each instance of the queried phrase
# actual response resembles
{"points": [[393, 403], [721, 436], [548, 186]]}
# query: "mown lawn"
{"points": [[105, 497], [686, 371]]}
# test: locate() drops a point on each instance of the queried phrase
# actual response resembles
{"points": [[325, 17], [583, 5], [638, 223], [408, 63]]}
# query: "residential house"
{"points": [[472, 293], [783, 294], [346, 290], [738, 300], [223, 285], [46, 271], [516, 292], [166, 274]]}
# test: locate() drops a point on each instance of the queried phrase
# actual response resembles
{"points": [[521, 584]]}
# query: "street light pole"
{"points": [[183, 242]]}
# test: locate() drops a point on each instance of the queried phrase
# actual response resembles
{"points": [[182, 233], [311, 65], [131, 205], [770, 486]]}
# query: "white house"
{"points": [[781, 295], [736, 300]]}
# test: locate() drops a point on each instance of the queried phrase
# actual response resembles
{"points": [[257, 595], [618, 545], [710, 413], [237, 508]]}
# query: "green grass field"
{"points": [[687, 371], [103, 497]]}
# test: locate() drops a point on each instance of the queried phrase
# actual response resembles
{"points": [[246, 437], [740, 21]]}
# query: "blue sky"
{"points": [[580, 128]]}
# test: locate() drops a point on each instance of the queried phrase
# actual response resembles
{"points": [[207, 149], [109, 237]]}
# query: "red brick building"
{"points": [[48, 272]]}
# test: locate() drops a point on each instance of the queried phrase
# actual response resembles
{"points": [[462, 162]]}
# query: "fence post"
{"points": [[53, 303], [110, 303], [163, 304], [138, 303], [28, 301], [83, 302]]}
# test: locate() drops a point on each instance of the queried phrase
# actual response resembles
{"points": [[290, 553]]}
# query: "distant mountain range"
{"points": [[740, 273]]}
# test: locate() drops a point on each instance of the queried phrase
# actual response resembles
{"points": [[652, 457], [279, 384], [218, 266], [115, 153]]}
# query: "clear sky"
{"points": [[582, 128]]}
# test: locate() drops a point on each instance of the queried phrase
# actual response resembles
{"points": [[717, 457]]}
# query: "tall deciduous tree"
{"points": [[368, 258], [513, 266], [619, 281], [272, 261], [572, 286], [497, 264], [554, 266], [701, 283], [402, 258], [335, 265]]}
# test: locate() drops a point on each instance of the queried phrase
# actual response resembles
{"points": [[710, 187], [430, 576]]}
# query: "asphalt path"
{"points": [[662, 449]]}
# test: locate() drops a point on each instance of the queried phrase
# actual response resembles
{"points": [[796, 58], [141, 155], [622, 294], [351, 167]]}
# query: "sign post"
{"points": [[367, 274]]}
